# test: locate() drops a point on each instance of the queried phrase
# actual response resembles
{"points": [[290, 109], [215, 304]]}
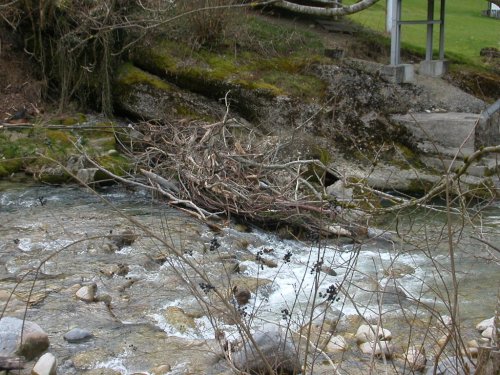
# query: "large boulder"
{"points": [[27, 339], [277, 349]]}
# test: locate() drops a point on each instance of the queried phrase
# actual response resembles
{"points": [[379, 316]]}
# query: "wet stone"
{"points": [[77, 334], [87, 293], [46, 365]]}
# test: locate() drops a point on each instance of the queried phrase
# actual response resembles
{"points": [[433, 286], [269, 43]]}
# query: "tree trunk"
{"points": [[320, 11]]}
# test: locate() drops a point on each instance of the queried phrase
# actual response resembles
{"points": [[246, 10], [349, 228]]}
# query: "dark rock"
{"points": [[242, 295], [392, 294], [328, 270], [77, 334], [126, 238], [277, 348]]}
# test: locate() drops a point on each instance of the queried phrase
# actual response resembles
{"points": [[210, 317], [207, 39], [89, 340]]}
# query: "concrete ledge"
{"points": [[401, 73], [488, 128], [452, 130], [433, 68]]}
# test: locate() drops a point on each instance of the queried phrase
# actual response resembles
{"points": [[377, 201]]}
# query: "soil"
{"points": [[19, 89]]}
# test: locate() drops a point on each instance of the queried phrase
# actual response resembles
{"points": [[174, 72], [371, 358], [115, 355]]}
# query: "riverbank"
{"points": [[371, 222]]}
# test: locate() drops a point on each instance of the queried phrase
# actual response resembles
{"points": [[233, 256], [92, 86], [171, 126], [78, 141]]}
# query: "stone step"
{"points": [[483, 168], [450, 130]]}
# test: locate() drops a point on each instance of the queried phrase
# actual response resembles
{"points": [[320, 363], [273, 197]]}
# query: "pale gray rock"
{"points": [[415, 357], [34, 339], [481, 326], [46, 365], [370, 333], [336, 344], [378, 349], [87, 293], [77, 334], [277, 348], [340, 191], [488, 333]]}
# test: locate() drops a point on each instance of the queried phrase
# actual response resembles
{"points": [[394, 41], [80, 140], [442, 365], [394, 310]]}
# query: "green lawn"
{"points": [[466, 30]]}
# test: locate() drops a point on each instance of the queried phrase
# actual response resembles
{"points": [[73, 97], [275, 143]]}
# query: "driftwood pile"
{"points": [[226, 168]]}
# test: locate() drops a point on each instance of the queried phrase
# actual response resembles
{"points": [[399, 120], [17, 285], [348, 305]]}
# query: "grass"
{"points": [[466, 31]]}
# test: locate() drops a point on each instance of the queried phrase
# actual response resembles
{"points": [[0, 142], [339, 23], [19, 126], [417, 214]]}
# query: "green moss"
{"points": [[214, 73], [53, 175], [116, 164], [42, 152], [128, 74], [9, 166]]}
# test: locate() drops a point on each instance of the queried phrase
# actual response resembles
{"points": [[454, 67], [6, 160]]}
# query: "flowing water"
{"points": [[148, 314]]}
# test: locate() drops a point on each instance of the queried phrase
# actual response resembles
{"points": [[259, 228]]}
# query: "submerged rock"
{"points": [[77, 334]]}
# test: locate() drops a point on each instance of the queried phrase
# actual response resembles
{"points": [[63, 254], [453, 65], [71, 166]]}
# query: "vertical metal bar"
{"points": [[398, 15], [388, 16], [430, 29], [441, 30], [395, 33]]}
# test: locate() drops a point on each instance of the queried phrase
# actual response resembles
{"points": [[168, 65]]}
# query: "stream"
{"points": [[147, 311]]}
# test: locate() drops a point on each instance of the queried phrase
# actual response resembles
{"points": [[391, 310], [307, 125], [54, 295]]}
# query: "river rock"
{"points": [[369, 333], [125, 238], [34, 339], [415, 357], [253, 284], [378, 349], [446, 320], [328, 270], [46, 365], [177, 318], [242, 295], [392, 294], [102, 371], [77, 334], [481, 326], [277, 348], [86, 175], [340, 191], [87, 293], [161, 370], [398, 270], [453, 366], [336, 344], [119, 269], [488, 333]]}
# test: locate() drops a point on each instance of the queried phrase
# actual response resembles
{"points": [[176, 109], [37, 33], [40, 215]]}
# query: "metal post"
{"points": [[388, 16], [430, 29], [441, 30], [395, 32]]}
